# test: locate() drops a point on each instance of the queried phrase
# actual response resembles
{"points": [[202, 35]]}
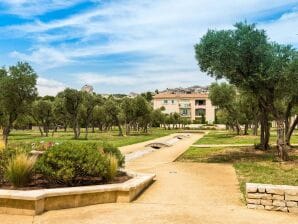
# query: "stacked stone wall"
{"points": [[272, 197]]}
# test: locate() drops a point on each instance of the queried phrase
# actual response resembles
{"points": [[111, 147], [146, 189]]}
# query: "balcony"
{"points": [[199, 106], [184, 105]]}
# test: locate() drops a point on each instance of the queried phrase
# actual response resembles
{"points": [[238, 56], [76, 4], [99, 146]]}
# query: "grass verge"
{"points": [[250, 165]]}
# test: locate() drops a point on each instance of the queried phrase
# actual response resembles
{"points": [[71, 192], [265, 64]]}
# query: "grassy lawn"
{"points": [[250, 165], [227, 137], [28, 137]]}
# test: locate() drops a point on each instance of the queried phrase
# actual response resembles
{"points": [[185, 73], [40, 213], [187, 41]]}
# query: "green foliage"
{"points": [[112, 168], [66, 162], [19, 170], [17, 91], [73, 100], [112, 150], [42, 113]]}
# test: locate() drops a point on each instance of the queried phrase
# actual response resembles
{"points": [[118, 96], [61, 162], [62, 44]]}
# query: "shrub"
{"points": [[110, 149], [112, 168], [19, 170], [66, 162]]}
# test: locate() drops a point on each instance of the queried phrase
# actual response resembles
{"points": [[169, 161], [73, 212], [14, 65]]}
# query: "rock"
{"points": [[293, 209], [276, 208], [275, 190], [279, 203], [262, 188], [292, 204], [251, 188], [259, 195], [266, 202], [253, 206], [292, 191], [278, 197], [291, 198], [253, 201]]}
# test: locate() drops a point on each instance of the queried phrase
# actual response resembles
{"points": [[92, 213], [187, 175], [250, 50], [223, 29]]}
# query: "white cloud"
{"points": [[49, 87], [30, 8], [45, 57], [283, 30], [164, 32]]}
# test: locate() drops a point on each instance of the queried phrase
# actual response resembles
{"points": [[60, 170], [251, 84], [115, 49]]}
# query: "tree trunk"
{"points": [[281, 146], [6, 131], [86, 132], [290, 131], [246, 129], [255, 129], [265, 130]]}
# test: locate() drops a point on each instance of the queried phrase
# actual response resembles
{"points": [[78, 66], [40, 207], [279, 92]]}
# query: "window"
{"points": [[165, 101], [184, 112], [200, 112], [173, 101], [200, 102]]}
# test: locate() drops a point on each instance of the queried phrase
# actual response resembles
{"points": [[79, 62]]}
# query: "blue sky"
{"points": [[127, 45]]}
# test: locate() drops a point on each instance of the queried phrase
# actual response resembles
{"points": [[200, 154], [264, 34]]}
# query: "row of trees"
{"points": [[20, 105], [265, 74]]}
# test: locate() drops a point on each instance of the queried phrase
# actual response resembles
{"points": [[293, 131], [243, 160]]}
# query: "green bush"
{"points": [[19, 170], [66, 162], [110, 149]]}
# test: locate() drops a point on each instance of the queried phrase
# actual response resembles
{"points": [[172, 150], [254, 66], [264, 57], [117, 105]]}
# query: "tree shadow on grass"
{"points": [[242, 155]]}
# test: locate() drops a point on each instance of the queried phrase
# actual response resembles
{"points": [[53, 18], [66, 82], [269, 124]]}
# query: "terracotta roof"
{"points": [[179, 96]]}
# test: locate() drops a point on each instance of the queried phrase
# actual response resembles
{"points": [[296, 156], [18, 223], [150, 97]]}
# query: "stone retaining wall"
{"points": [[272, 197], [34, 202]]}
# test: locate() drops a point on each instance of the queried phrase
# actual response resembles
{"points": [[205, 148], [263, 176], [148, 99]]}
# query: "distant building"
{"points": [[190, 105], [87, 88]]}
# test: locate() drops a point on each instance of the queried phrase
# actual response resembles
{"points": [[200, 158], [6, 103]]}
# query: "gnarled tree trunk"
{"points": [[281, 144]]}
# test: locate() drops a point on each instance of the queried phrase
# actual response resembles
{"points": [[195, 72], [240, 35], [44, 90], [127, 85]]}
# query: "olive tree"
{"points": [[17, 92]]}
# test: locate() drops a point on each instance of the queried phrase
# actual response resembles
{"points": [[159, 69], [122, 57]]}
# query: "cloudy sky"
{"points": [[127, 45]]}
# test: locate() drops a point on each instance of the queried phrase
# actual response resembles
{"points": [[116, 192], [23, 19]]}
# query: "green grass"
{"points": [[250, 165], [27, 137], [228, 137], [225, 137]]}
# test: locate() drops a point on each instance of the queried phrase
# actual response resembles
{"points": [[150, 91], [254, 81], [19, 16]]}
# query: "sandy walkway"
{"points": [[184, 193]]}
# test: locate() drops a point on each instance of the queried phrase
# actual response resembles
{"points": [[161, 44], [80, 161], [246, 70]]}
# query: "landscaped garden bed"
{"points": [[64, 176]]}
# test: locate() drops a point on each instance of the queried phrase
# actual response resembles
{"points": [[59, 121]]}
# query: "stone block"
{"points": [[262, 188], [253, 201], [259, 196], [253, 206], [293, 209], [292, 191], [251, 188], [278, 197], [279, 203], [266, 202], [275, 190], [292, 204], [291, 198], [276, 208]]}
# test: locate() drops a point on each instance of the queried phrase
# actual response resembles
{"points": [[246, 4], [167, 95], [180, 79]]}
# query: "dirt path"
{"points": [[183, 193]]}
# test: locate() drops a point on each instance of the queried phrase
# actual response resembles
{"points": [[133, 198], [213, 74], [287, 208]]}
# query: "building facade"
{"points": [[189, 105]]}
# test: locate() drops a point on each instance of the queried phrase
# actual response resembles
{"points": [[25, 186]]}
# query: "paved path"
{"points": [[183, 193]]}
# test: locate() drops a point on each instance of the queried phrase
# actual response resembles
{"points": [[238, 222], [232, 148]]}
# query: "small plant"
{"points": [[112, 168], [110, 149], [19, 170]]}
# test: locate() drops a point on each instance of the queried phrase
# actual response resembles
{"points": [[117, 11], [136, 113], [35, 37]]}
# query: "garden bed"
{"points": [[34, 202], [40, 182]]}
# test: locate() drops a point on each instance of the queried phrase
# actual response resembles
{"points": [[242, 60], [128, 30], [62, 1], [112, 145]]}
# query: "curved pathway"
{"points": [[183, 193]]}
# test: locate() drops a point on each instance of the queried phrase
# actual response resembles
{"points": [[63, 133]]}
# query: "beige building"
{"points": [[190, 105]]}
